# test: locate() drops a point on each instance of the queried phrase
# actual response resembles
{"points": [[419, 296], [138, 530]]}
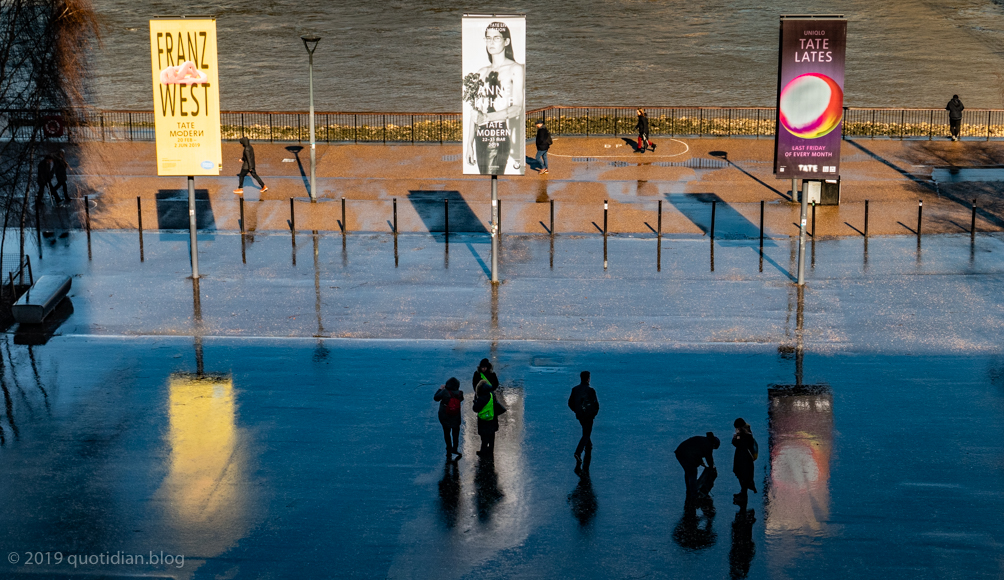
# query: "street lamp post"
{"points": [[310, 43]]}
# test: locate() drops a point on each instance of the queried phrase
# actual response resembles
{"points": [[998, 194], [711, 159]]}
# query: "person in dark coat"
{"points": [[450, 399], [485, 373], [59, 169], [248, 166], [692, 454], [44, 179], [544, 142], [585, 405], [487, 427], [742, 461], [955, 108], [642, 126]]}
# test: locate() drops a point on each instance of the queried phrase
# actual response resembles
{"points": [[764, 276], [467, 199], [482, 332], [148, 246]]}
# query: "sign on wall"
{"points": [[494, 95], [186, 96], [810, 97]]}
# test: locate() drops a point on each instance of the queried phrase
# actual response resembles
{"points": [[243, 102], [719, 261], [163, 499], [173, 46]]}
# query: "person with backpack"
{"points": [[450, 399], [691, 454], [742, 462], [488, 410], [485, 373], [248, 166], [585, 405], [955, 108]]}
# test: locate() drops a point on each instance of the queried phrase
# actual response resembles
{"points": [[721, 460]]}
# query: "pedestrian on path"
{"points": [[247, 166], [43, 177], [955, 108], [746, 453], [450, 399], [585, 405], [642, 126], [485, 373], [544, 142], [59, 169], [488, 410], [692, 454]]}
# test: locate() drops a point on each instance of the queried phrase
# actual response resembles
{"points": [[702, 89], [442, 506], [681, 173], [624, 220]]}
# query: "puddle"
{"points": [[958, 175]]}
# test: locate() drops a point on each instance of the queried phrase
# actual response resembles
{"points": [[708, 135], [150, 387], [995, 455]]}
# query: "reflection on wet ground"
{"points": [[318, 458]]}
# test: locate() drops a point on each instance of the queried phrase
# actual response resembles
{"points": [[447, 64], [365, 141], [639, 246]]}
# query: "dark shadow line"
{"points": [[962, 229], [484, 267], [761, 182], [778, 266], [546, 229], [390, 224], [854, 228], [598, 228], [911, 230], [295, 150], [341, 226], [650, 227]]}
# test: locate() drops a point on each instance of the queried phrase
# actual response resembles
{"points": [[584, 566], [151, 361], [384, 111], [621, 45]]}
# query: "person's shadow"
{"points": [[449, 494], [743, 548], [633, 143], [695, 532], [582, 500], [486, 489]]}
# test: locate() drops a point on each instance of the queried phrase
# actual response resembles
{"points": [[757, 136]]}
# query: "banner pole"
{"points": [[801, 237], [495, 229], [191, 227]]}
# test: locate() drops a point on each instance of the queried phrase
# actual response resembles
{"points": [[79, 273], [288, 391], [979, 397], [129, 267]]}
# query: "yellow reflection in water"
{"points": [[206, 464]]}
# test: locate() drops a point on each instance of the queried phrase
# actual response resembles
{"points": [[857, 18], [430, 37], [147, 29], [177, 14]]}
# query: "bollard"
{"points": [[552, 218], [87, 216], [920, 215], [866, 218], [713, 205], [139, 216], [500, 218], [658, 231], [761, 223], [242, 215], [813, 221], [446, 214], [604, 230], [292, 217], [972, 226], [395, 216], [345, 225], [604, 252]]}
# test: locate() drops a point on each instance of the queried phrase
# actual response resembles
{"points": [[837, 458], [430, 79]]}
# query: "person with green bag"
{"points": [[488, 409], [484, 372]]}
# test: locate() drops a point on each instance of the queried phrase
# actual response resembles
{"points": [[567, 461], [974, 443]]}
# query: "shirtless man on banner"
{"points": [[495, 133]]}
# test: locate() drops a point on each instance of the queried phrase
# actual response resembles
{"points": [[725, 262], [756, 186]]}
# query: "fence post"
{"points": [[988, 125], [102, 126], [130, 126], [384, 117], [930, 127], [299, 129], [700, 126], [413, 129], [440, 129], [873, 123], [902, 124], [730, 123], [271, 136], [758, 123], [355, 128]]}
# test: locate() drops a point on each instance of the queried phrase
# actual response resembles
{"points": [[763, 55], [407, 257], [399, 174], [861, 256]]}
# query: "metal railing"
{"points": [[97, 125]]}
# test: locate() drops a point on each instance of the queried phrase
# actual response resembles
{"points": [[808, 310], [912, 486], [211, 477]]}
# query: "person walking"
{"points": [[692, 454], [586, 406], [742, 462], [59, 169], [450, 399], [955, 108], [485, 373], [248, 166], [643, 127], [544, 142], [43, 177], [488, 410]]}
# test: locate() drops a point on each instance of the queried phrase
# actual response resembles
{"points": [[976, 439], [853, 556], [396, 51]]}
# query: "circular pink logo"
{"points": [[811, 105]]}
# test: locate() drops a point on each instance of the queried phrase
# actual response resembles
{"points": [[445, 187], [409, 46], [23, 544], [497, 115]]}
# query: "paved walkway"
{"points": [[682, 173]]}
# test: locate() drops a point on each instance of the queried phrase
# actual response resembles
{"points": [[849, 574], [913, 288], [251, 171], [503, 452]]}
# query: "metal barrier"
{"points": [[96, 125]]}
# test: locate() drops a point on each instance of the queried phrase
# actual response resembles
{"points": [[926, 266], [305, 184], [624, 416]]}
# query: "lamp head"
{"points": [[310, 42]]}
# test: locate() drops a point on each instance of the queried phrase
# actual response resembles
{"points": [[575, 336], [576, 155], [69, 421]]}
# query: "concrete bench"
{"points": [[41, 299]]}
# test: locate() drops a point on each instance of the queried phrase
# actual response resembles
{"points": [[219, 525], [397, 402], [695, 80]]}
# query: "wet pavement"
{"points": [[279, 421]]}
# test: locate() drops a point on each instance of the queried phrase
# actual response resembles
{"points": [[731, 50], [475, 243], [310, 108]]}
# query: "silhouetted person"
{"points": [[695, 532], [585, 405], [488, 410], [486, 488], [643, 128], [544, 142], [59, 169], [743, 548], [582, 500], [742, 461], [450, 399], [955, 108], [248, 166], [43, 177], [449, 494], [485, 373], [692, 454]]}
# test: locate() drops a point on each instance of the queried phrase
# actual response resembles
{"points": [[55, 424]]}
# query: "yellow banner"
{"points": [[186, 97]]}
